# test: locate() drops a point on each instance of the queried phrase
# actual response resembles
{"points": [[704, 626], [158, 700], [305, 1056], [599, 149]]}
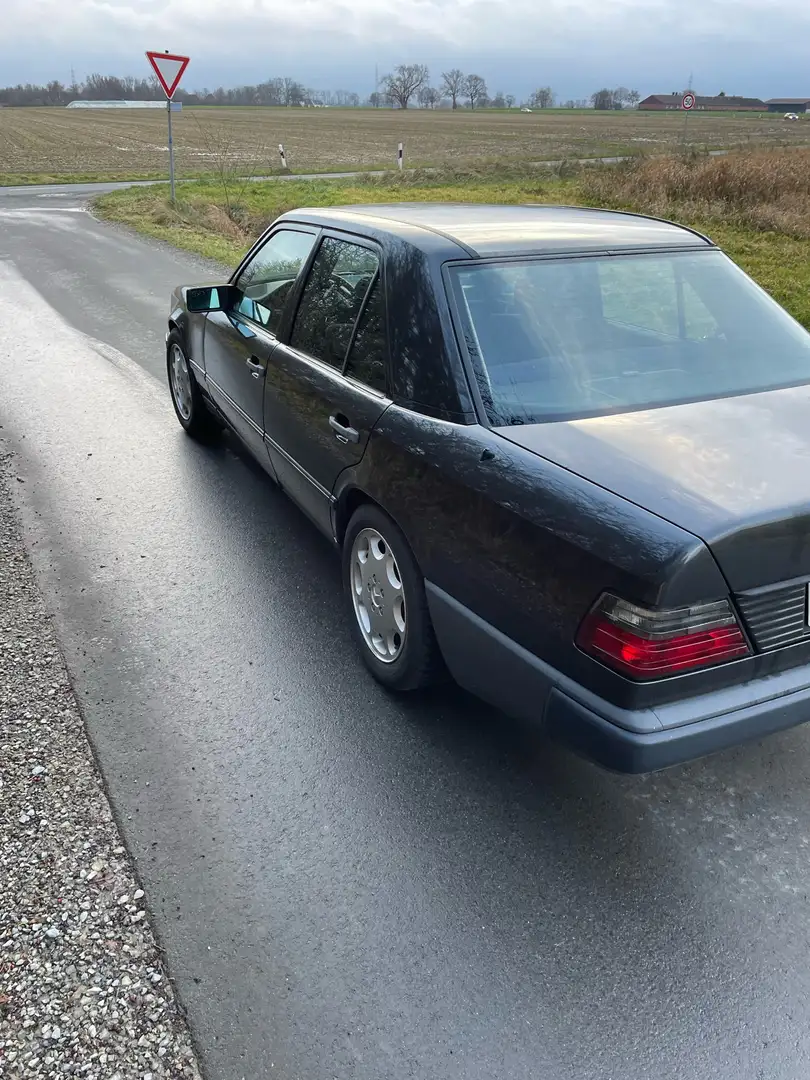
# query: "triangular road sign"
{"points": [[169, 70]]}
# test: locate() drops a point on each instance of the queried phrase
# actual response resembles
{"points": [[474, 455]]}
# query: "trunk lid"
{"points": [[733, 471]]}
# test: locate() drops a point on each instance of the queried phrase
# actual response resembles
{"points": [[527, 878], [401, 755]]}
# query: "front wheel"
{"points": [[387, 603], [192, 412]]}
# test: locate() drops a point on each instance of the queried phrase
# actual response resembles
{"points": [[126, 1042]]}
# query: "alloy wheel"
{"points": [[378, 595]]}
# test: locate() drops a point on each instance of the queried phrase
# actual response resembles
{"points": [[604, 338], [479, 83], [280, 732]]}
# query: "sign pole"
{"points": [[171, 150], [687, 104], [169, 68]]}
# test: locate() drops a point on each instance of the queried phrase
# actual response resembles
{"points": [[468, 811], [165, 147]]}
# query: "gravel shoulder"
{"points": [[83, 988]]}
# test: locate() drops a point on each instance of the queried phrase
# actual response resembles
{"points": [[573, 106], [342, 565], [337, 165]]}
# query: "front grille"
{"points": [[775, 617]]}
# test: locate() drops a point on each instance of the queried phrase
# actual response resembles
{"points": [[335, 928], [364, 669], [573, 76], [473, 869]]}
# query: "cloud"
{"points": [[581, 42]]}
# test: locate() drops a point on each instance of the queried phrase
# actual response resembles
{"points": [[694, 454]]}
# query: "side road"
{"points": [[83, 989]]}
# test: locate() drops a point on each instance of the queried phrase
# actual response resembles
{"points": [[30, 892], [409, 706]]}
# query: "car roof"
{"points": [[482, 231]]}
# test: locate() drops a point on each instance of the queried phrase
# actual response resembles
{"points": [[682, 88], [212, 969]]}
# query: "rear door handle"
{"points": [[343, 431], [256, 368]]}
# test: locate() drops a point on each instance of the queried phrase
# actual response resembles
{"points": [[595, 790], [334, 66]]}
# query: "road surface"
{"points": [[349, 884]]}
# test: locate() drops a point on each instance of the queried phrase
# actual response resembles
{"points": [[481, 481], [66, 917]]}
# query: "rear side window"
{"points": [[366, 361], [333, 296]]}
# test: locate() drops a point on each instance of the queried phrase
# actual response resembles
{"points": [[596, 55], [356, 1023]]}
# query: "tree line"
{"points": [[411, 82], [277, 91], [407, 85]]}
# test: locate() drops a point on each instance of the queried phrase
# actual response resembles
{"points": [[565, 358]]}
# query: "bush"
{"points": [[766, 191]]}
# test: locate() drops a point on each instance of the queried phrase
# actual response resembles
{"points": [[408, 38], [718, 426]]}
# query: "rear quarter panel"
{"points": [[525, 544]]}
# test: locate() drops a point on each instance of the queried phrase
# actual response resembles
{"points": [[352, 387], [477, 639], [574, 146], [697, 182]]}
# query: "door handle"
{"points": [[343, 431], [256, 368]]}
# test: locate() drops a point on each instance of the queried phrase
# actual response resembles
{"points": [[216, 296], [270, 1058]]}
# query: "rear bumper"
{"points": [[614, 747], [500, 671]]}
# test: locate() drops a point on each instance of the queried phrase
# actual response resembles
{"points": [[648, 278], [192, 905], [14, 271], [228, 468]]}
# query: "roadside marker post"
{"points": [[169, 69], [282, 155], [400, 154]]}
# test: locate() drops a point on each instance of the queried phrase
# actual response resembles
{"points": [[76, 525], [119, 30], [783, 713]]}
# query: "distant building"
{"points": [[116, 105], [788, 104], [723, 103]]}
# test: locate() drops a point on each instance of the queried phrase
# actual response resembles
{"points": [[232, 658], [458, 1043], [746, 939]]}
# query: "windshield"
{"points": [[564, 339]]}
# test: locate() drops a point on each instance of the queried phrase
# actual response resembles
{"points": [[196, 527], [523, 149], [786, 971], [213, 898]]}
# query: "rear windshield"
{"points": [[569, 338]]}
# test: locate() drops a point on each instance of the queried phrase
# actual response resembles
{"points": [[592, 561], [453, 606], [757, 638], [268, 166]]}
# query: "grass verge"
{"points": [[756, 206], [29, 178]]}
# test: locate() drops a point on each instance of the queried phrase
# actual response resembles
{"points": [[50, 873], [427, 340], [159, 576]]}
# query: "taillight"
{"points": [[647, 644]]}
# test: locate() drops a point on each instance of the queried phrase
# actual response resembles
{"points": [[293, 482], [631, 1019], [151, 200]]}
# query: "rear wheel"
{"points": [[386, 596], [189, 405]]}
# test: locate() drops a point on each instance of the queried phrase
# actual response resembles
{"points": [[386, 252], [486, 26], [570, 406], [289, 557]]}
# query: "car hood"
{"points": [[734, 472]]}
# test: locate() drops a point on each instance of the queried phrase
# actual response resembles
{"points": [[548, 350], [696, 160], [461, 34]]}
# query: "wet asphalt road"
{"points": [[346, 884]]}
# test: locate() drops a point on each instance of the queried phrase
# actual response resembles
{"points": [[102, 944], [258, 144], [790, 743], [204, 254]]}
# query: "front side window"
{"points": [[568, 338], [267, 280], [333, 296]]}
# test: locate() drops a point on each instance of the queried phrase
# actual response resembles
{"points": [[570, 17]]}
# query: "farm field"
{"points": [[39, 144]]}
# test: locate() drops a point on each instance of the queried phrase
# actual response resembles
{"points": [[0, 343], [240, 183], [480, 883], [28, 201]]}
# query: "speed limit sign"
{"points": [[688, 102]]}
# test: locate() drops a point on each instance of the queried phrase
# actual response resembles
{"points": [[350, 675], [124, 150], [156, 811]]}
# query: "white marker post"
{"points": [[282, 155], [169, 70], [400, 153]]}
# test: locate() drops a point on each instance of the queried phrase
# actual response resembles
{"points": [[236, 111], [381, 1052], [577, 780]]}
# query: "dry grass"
{"points": [[762, 191], [114, 143]]}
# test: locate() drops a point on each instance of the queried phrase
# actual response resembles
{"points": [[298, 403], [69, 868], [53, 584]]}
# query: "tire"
{"points": [[390, 623], [189, 405]]}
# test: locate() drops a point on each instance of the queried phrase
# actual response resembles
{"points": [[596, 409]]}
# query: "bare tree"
{"points": [[543, 98], [475, 90], [453, 85], [510, 101], [633, 98], [602, 99], [428, 97], [405, 82], [620, 97], [290, 91]]}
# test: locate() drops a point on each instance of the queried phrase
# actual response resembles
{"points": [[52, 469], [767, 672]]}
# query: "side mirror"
{"points": [[204, 298]]}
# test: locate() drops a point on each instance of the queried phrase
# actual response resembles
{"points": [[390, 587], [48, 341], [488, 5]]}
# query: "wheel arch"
{"points": [[348, 500], [180, 325]]}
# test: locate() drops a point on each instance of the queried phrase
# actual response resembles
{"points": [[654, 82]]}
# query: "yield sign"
{"points": [[169, 70]]}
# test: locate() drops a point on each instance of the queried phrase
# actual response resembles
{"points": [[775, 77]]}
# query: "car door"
{"points": [[238, 341], [327, 387]]}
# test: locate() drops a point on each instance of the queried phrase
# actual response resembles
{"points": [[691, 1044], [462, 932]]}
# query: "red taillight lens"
{"points": [[648, 644]]}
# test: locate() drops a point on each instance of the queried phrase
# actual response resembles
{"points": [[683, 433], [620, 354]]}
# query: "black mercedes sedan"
{"points": [[564, 454]]}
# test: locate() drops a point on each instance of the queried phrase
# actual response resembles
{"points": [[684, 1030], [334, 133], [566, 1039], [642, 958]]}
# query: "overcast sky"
{"points": [[756, 47]]}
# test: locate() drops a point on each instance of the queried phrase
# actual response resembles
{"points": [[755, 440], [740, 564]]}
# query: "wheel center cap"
{"points": [[375, 594]]}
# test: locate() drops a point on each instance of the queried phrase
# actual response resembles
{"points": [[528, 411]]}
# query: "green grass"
{"points": [[221, 225], [27, 179], [35, 178]]}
